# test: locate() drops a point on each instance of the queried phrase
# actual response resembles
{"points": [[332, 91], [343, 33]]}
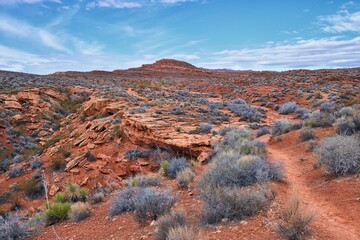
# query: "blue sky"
{"points": [[44, 36]]}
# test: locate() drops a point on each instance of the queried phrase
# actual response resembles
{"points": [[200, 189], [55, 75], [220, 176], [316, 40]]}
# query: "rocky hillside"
{"points": [[181, 136]]}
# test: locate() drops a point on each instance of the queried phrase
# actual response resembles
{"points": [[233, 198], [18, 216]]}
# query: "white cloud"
{"points": [[114, 4], [121, 4], [342, 21], [11, 2], [312, 53], [24, 30], [16, 60]]}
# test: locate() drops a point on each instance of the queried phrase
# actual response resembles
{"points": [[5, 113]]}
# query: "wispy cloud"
{"points": [[311, 53], [342, 21], [347, 19], [114, 4], [16, 60], [24, 30], [11, 2], [121, 4]]}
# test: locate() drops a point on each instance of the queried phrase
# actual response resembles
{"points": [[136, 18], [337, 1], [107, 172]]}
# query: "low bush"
{"points": [[288, 107], [349, 125], [79, 211], [234, 137], [33, 188], [185, 177], [205, 128], [58, 164], [232, 170], [122, 202], [320, 119], [142, 181], [90, 157], [307, 134], [146, 203], [246, 112], [182, 233], [294, 222], [60, 198], [96, 198], [283, 126], [16, 171], [136, 153], [262, 131], [57, 212], [168, 222], [150, 204], [12, 226], [340, 154], [232, 203], [176, 165]]}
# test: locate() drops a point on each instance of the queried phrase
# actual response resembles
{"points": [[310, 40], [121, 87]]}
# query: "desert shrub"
{"points": [[327, 107], [184, 177], [36, 164], [246, 112], [96, 198], [349, 125], [262, 131], [307, 134], [83, 193], [224, 130], [345, 112], [168, 222], [254, 147], [60, 197], [33, 188], [16, 171], [12, 226], [234, 137], [164, 166], [122, 202], [232, 203], [57, 212], [136, 153], [231, 169], [205, 127], [302, 113], [58, 164], [71, 192], [90, 157], [288, 107], [176, 165], [142, 181], [340, 154], [320, 119], [294, 222], [79, 211], [182, 233], [150, 204], [283, 126]]}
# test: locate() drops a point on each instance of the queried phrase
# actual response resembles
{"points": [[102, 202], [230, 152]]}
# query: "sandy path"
{"points": [[330, 222]]}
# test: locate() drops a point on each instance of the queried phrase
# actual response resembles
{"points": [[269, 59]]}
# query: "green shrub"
{"points": [[60, 198], [57, 212]]}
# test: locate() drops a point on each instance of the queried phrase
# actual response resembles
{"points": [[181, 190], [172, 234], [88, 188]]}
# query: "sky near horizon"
{"points": [[45, 36]]}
